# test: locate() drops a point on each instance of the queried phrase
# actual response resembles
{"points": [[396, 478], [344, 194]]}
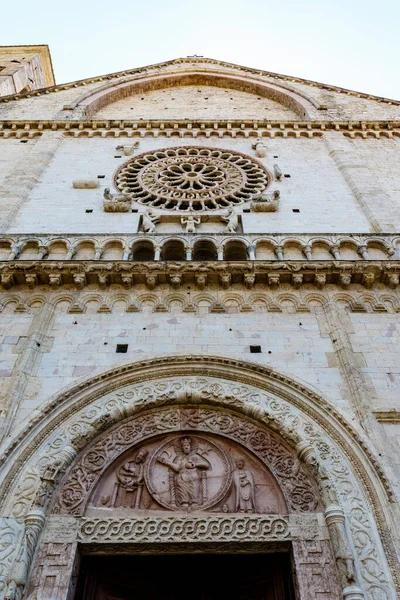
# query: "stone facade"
{"points": [[188, 215]]}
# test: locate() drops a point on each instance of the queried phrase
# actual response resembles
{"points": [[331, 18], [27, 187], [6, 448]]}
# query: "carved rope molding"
{"points": [[292, 422]]}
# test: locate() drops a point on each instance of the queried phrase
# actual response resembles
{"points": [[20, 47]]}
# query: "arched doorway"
{"points": [[74, 457]]}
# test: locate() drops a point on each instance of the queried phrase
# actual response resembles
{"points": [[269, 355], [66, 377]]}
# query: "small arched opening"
{"points": [[173, 250], [235, 251], [204, 250], [143, 251]]}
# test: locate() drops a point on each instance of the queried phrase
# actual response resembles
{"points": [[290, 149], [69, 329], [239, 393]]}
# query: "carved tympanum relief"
{"points": [[189, 472], [111, 473], [191, 178]]}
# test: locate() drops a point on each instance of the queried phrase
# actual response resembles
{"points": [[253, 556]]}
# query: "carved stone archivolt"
{"points": [[265, 406], [191, 178]]}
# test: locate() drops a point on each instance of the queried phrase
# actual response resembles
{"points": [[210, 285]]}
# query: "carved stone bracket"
{"points": [[83, 273]]}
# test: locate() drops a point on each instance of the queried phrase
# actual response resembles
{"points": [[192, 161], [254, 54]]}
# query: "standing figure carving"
{"points": [[188, 479], [243, 481], [190, 221], [130, 480]]}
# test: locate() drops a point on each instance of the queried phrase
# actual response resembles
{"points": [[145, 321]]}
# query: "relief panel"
{"points": [[185, 473]]}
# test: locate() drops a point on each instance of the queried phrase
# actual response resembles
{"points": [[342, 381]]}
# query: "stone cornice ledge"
{"points": [[80, 273], [242, 127]]}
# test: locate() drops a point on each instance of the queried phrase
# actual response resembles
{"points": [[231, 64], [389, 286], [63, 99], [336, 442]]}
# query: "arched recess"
{"points": [[258, 401], [94, 100]]}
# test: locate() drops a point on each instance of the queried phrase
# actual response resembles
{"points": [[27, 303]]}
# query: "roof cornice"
{"points": [[196, 62]]}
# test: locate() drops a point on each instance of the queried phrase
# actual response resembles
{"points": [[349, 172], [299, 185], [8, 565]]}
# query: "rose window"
{"points": [[191, 178]]}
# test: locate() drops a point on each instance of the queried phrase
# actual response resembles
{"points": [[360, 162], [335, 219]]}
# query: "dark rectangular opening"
{"points": [[295, 209], [122, 348], [256, 577], [255, 349], [89, 210]]}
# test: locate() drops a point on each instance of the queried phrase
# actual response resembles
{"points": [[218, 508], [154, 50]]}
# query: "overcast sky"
{"points": [[349, 43]]}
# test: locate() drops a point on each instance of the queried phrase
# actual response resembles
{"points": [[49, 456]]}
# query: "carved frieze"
{"points": [[186, 529], [197, 528], [222, 273]]}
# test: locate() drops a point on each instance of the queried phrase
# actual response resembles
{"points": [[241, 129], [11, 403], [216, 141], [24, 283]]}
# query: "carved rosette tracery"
{"points": [[191, 178]]}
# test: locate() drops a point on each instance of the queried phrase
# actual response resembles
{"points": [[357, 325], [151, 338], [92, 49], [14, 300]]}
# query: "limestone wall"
{"points": [[315, 197], [196, 102], [68, 337]]}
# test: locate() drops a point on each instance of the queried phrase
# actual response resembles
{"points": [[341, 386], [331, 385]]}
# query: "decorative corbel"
{"points": [[175, 281], [368, 280], [103, 280], [79, 280], [201, 280], [127, 280], [249, 280], [151, 281], [320, 280], [225, 280], [274, 280], [297, 280], [7, 280], [344, 280], [55, 280], [31, 280]]}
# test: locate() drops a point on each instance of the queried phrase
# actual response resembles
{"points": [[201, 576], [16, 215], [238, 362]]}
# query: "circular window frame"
{"points": [[174, 179]]}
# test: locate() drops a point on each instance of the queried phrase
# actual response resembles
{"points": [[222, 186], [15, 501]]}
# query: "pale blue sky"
{"points": [[350, 43]]}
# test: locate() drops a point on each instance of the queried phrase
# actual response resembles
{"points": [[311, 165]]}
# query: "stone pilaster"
{"points": [[17, 186], [362, 182], [359, 388], [26, 367]]}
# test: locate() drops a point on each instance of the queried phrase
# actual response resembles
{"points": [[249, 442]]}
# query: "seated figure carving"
{"points": [[188, 484]]}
